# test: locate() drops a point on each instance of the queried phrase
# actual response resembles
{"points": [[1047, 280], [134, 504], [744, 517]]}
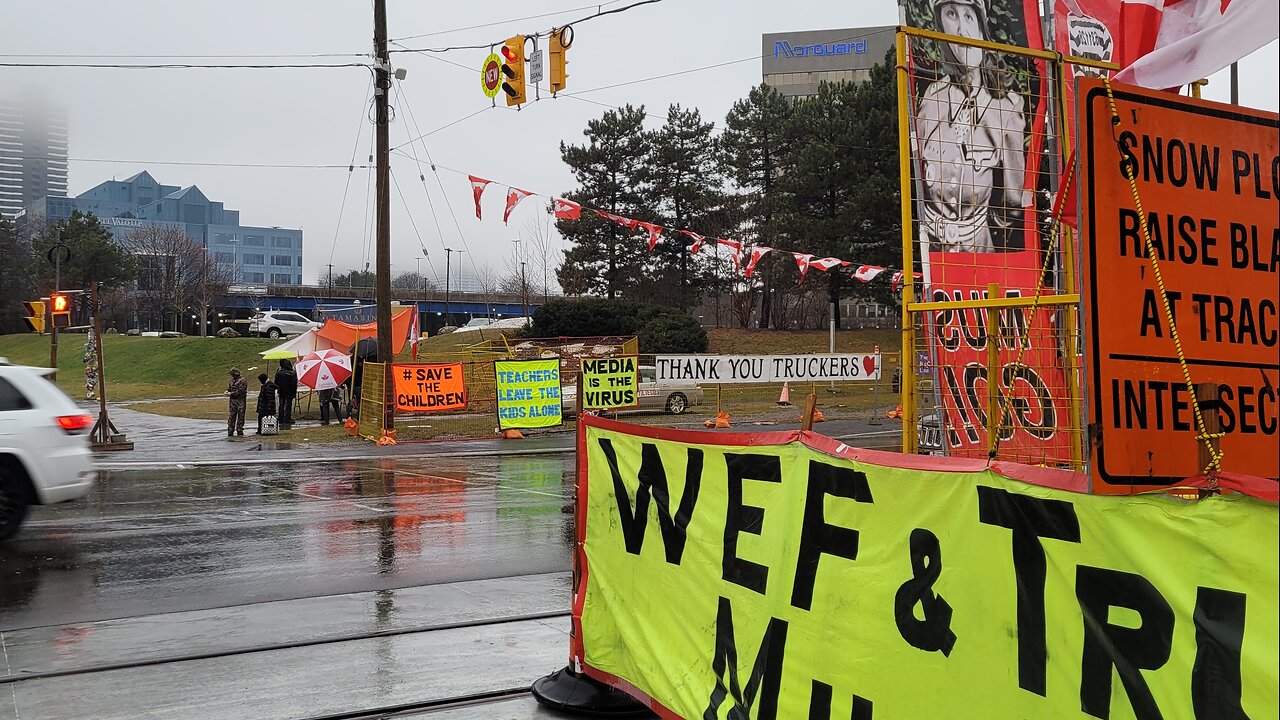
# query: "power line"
{"points": [[598, 14], [503, 22], [223, 56], [187, 66], [197, 163]]}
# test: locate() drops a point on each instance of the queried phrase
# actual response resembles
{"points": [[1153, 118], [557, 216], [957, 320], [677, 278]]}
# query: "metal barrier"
{"points": [[372, 402]]}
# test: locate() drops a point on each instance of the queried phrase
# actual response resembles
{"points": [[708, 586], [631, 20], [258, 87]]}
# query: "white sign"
{"points": [[723, 369], [535, 66]]}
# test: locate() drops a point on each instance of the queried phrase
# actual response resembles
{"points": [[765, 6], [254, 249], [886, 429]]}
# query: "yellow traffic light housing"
{"points": [[561, 40], [60, 310], [35, 315], [513, 70]]}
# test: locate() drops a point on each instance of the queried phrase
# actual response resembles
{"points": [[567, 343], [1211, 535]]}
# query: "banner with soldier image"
{"points": [[980, 172]]}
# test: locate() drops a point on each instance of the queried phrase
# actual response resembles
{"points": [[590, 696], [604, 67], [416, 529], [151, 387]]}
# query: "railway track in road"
{"points": [[428, 707], [271, 647]]}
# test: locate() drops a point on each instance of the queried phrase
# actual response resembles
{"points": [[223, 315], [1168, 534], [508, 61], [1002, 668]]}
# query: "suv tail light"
{"points": [[74, 424]]}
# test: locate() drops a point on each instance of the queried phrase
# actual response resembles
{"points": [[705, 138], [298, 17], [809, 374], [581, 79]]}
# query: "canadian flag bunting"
{"points": [[1167, 43], [477, 189], [867, 273], [514, 196], [826, 264], [655, 232], [697, 241], [566, 209], [802, 262], [414, 334], [757, 252], [735, 251], [625, 222], [570, 210]]}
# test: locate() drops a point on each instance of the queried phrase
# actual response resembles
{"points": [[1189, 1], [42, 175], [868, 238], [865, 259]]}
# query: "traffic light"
{"points": [[561, 40], [60, 310], [35, 315], [513, 70]]}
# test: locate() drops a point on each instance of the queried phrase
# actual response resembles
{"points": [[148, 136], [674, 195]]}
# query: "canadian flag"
{"points": [[514, 196], [802, 261], [625, 222], [655, 232], [566, 209], [1167, 43], [413, 333], [757, 252], [826, 264], [735, 251], [895, 283], [867, 273], [697, 241], [477, 189]]}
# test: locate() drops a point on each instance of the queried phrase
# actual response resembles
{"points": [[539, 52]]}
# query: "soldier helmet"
{"points": [[235, 372], [979, 5]]}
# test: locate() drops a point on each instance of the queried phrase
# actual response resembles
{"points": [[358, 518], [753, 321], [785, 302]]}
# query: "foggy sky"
{"points": [[125, 121]]}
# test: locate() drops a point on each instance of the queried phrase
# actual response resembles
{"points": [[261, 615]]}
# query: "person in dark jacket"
{"points": [[237, 389], [286, 381], [266, 399]]}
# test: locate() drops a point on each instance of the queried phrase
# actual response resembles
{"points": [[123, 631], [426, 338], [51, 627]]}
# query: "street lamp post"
{"points": [[417, 275]]}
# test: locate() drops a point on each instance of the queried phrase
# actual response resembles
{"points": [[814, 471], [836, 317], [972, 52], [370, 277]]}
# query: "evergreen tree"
{"points": [[876, 194], [606, 259], [684, 187], [95, 255], [753, 148], [16, 275]]}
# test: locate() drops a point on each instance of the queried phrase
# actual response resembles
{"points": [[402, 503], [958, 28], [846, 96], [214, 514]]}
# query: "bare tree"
{"points": [[411, 280], [210, 276], [544, 257], [171, 265]]}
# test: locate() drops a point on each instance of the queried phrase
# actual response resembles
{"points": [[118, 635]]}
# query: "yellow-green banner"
{"points": [[528, 393], [787, 576]]}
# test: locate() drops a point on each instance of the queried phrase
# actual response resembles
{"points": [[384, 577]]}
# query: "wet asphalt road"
{"points": [[162, 541]]}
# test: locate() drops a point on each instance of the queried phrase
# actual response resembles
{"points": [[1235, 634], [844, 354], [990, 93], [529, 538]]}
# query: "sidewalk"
{"points": [[163, 441]]}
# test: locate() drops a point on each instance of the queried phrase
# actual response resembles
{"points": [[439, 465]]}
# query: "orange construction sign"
{"points": [[1208, 178], [429, 388]]}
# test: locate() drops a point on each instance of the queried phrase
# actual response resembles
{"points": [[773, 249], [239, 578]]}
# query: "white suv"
{"points": [[44, 453], [278, 323]]}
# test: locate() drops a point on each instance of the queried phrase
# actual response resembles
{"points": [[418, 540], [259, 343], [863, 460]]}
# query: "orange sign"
{"points": [[429, 388], [1208, 176]]}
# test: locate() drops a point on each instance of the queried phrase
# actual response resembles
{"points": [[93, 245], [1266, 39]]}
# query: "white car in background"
{"points": [[278, 323], [44, 449], [671, 396]]}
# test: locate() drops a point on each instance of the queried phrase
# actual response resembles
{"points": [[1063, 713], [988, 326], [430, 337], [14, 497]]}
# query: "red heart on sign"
{"points": [[869, 364]]}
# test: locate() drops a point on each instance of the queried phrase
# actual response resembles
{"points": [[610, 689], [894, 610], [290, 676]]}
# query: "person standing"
{"points": [[330, 398], [266, 399], [286, 381], [237, 390]]}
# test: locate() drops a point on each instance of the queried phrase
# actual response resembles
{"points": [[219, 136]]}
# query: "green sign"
{"points": [[528, 393], [609, 383]]}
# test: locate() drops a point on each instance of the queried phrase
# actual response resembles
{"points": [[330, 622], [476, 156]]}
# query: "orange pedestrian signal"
{"points": [[60, 311]]}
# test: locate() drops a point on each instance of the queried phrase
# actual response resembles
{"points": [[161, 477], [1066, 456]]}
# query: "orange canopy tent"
{"points": [[345, 335]]}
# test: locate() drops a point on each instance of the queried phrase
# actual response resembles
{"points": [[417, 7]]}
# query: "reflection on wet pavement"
{"points": [[148, 542]]}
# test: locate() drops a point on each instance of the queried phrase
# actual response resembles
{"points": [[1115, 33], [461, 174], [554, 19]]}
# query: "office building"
{"points": [[33, 152], [260, 255], [795, 63]]}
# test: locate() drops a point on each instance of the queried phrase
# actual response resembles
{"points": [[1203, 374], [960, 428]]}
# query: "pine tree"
{"points": [[95, 255], [605, 258], [16, 284], [683, 186], [753, 149]]}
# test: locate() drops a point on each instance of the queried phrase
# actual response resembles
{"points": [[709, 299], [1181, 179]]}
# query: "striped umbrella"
{"points": [[324, 369]]}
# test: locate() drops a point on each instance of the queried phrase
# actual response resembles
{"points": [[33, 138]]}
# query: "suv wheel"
{"points": [[676, 403], [274, 333], [13, 501]]}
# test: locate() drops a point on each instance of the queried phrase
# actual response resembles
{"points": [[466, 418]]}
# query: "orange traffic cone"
{"points": [[721, 420], [818, 416], [784, 399], [353, 428], [894, 414], [388, 438], [512, 434]]}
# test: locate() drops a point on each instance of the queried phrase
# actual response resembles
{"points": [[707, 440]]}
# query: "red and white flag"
{"points": [[566, 209], [735, 251], [625, 222], [826, 264], [895, 282], [655, 232], [1167, 43], [697, 241], [514, 196], [757, 252], [867, 273], [803, 261], [477, 189], [413, 332]]}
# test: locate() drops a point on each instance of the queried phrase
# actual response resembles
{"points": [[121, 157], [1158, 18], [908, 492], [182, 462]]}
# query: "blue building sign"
{"points": [[783, 48]]}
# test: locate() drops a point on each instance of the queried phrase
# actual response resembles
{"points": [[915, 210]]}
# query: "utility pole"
{"points": [[1235, 83], [381, 97], [58, 253], [448, 263], [330, 280]]}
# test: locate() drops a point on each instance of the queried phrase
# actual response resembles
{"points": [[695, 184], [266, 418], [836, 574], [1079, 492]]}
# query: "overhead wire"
{"points": [[504, 22], [598, 14], [188, 66], [355, 148]]}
